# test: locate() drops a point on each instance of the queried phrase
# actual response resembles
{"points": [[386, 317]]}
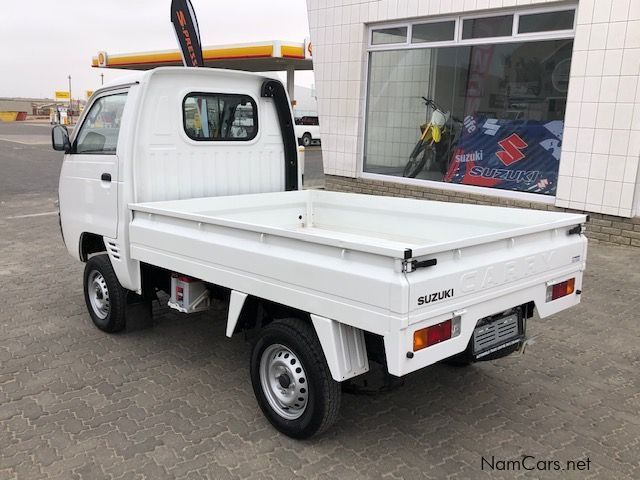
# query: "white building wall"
{"points": [[601, 147]]}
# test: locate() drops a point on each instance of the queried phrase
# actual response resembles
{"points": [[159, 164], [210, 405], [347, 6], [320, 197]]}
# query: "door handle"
{"points": [[106, 177]]}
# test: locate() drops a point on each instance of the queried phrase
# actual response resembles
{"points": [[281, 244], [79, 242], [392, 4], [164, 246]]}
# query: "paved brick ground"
{"points": [[175, 401]]}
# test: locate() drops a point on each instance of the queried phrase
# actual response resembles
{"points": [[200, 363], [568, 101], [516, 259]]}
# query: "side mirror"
{"points": [[60, 139]]}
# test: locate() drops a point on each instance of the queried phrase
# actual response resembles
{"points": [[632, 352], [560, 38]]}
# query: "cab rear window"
{"points": [[220, 117]]}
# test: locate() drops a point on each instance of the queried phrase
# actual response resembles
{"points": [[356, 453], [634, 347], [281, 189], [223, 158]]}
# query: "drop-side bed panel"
{"points": [[466, 276], [357, 288], [392, 227]]}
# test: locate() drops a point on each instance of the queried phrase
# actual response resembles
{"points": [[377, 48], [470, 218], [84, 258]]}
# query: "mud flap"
{"points": [[138, 315]]}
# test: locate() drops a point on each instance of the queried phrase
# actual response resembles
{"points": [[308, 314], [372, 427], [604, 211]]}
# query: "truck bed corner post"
{"points": [[274, 89]]}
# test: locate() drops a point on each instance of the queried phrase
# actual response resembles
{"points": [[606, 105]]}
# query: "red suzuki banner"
{"points": [[185, 23]]}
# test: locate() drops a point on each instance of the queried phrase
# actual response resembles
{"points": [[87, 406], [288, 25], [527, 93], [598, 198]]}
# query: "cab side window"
{"points": [[220, 117], [99, 131]]}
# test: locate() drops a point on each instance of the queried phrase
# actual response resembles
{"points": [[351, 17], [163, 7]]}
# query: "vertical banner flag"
{"points": [[185, 23]]}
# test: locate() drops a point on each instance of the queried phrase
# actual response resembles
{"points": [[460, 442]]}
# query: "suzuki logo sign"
{"points": [[512, 147]]}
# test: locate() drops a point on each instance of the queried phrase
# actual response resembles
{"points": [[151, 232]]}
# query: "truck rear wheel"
{"points": [[106, 299], [306, 140], [291, 379]]}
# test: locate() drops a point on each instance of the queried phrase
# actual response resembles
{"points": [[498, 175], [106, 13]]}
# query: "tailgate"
{"points": [[465, 276]]}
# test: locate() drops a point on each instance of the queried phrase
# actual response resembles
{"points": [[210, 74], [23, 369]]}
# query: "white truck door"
{"points": [[89, 176]]}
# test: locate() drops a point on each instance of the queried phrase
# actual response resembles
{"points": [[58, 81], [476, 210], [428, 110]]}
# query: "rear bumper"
{"points": [[401, 359]]}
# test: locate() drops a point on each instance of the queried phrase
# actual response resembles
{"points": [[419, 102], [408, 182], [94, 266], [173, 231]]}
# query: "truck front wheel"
{"points": [[291, 379], [306, 140], [106, 299]]}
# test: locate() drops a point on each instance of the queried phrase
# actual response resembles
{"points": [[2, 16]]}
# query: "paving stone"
{"points": [[175, 401]]}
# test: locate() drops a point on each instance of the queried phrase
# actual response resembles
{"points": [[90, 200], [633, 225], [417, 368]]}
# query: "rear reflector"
{"points": [[425, 337], [561, 289]]}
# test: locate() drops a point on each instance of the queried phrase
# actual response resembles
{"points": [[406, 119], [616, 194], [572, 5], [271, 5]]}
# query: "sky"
{"points": [[44, 41]]}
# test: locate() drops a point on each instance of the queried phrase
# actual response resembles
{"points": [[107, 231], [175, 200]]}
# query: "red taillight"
{"points": [[561, 289], [425, 337]]}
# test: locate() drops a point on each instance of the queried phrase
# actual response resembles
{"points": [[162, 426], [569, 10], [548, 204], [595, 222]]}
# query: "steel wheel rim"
{"points": [[98, 294], [284, 381]]}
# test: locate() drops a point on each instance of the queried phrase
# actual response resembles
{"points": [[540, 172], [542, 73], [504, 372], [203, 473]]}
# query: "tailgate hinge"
{"points": [[409, 266]]}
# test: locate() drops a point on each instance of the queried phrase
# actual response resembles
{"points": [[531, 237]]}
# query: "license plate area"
{"points": [[497, 332]]}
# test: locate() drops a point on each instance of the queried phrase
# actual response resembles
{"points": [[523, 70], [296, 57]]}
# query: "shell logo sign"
{"points": [[102, 59], [308, 50]]}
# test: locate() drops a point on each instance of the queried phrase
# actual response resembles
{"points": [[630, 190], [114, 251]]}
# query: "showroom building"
{"points": [[525, 103]]}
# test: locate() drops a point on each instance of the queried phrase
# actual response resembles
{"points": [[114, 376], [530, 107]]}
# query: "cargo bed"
{"points": [[393, 227], [373, 263]]}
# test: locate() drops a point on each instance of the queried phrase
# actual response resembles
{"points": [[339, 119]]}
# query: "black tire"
{"points": [[306, 140], [419, 157], [99, 277], [323, 395]]}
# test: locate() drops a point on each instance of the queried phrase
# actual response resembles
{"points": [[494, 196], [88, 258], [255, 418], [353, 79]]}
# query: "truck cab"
{"points": [[169, 134]]}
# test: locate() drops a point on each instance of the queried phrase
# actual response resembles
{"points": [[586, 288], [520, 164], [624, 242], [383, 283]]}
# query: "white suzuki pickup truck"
{"points": [[186, 181]]}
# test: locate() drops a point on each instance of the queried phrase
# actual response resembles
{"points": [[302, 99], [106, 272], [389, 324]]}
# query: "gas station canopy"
{"points": [[253, 57]]}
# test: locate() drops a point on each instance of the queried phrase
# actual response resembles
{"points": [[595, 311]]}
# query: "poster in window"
{"points": [[520, 155]]}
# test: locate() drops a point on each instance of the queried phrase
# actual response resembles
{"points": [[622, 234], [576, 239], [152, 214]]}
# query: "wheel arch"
{"points": [[248, 312], [344, 347], [89, 244]]}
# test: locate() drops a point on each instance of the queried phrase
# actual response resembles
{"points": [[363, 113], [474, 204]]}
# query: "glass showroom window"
{"points": [[498, 108]]}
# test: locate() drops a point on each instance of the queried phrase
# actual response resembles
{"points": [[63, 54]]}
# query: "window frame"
{"points": [[514, 38], [516, 25], [388, 26], [77, 131], [456, 27], [459, 21], [220, 140]]}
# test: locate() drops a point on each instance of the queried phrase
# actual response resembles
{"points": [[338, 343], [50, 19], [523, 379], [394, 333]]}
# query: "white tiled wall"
{"points": [[601, 149], [599, 164]]}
